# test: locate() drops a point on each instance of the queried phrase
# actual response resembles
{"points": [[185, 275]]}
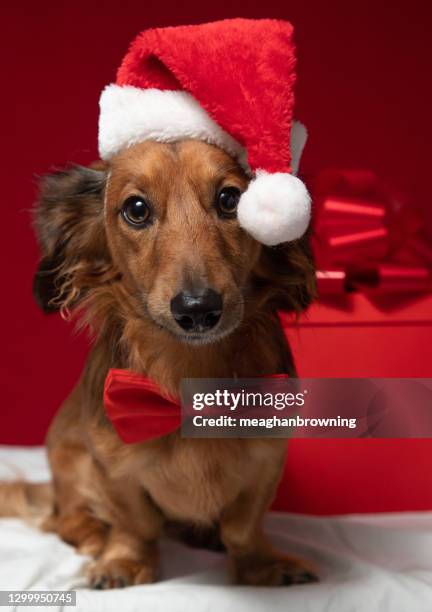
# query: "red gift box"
{"points": [[373, 319]]}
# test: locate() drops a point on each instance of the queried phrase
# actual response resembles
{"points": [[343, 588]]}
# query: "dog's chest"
{"points": [[195, 479]]}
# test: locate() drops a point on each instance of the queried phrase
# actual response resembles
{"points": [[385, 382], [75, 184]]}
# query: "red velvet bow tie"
{"points": [[139, 409]]}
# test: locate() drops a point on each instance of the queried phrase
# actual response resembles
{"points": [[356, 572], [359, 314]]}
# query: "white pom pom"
{"points": [[275, 208]]}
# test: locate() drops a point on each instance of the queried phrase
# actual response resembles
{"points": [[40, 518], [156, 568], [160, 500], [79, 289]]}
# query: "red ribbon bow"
{"points": [[139, 409], [365, 238]]}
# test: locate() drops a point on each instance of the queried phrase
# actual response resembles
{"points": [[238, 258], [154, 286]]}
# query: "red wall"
{"points": [[363, 91]]}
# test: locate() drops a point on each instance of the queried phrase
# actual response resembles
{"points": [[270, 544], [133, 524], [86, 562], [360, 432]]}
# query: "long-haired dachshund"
{"points": [[128, 245], [159, 250]]}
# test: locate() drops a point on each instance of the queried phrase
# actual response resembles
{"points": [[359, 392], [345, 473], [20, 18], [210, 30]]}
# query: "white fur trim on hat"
{"points": [[275, 208], [298, 139], [129, 115]]}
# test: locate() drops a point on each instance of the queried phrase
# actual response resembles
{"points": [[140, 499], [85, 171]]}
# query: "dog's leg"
{"points": [[84, 531], [252, 558], [127, 559], [73, 518], [131, 552]]}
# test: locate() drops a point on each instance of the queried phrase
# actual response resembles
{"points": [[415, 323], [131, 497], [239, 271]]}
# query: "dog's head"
{"points": [[156, 230]]}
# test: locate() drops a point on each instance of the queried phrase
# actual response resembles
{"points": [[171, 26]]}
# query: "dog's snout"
{"points": [[197, 312]]}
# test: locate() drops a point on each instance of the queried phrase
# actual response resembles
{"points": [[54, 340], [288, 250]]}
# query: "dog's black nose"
{"points": [[197, 312]]}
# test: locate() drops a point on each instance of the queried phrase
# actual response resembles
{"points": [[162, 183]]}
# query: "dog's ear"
{"points": [[285, 275], [70, 229]]}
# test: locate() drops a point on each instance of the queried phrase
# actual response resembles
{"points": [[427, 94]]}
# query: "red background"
{"points": [[363, 91]]}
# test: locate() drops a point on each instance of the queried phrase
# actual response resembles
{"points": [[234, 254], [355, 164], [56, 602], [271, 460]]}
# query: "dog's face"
{"points": [[153, 236], [172, 230]]}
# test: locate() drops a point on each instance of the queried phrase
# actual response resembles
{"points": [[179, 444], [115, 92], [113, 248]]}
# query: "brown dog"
{"points": [[130, 245]]}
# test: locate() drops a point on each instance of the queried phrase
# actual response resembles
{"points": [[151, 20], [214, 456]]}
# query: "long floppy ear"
{"points": [[286, 275], [70, 229]]}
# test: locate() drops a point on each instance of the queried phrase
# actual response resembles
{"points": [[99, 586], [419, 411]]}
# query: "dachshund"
{"points": [[127, 246]]}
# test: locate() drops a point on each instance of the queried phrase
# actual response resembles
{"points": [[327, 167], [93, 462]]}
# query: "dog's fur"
{"points": [[113, 500]]}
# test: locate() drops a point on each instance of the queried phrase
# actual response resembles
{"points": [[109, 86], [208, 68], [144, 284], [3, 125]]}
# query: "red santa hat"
{"points": [[228, 83]]}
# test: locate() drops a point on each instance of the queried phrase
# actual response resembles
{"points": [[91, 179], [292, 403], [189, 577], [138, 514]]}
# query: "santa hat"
{"points": [[228, 83]]}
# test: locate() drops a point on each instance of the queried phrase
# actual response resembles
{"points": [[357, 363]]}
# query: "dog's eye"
{"points": [[136, 211], [227, 201]]}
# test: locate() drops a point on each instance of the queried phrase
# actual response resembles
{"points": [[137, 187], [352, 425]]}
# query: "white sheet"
{"points": [[380, 563]]}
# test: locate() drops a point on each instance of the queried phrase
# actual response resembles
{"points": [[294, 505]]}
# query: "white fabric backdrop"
{"points": [[380, 563]]}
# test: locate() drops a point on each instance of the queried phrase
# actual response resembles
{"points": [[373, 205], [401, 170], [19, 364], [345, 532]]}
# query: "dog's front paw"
{"points": [[277, 571], [119, 573]]}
